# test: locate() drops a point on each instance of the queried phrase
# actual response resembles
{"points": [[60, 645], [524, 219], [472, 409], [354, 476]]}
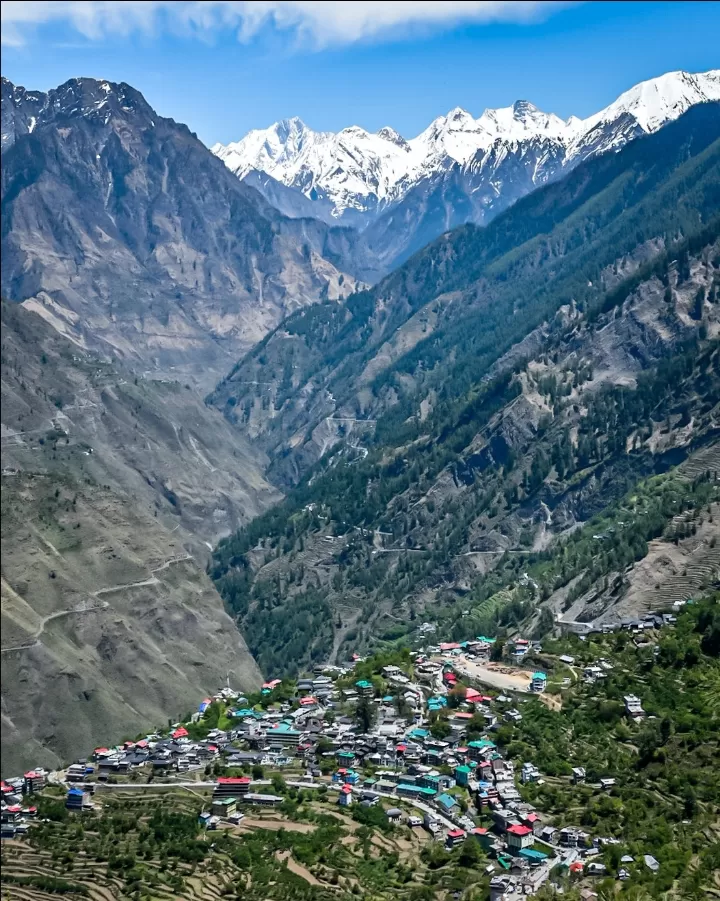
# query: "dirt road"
{"points": [[491, 674]]}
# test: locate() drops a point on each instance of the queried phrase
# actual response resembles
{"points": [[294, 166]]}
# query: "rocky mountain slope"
{"points": [[123, 231], [484, 403], [113, 489], [418, 342], [404, 193]]}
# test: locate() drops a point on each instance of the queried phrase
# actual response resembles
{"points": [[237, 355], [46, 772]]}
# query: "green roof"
{"points": [[532, 854], [462, 769], [539, 675], [363, 683]]}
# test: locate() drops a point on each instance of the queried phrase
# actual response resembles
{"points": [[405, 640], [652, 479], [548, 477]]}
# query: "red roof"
{"points": [[234, 780], [463, 716], [449, 646], [15, 808], [142, 743], [6, 788], [532, 818], [304, 702], [478, 830], [346, 789], [401, 748], [31, 775], [456, 833], [180, 733], [576, 867], [519, 830], [102, 751]]}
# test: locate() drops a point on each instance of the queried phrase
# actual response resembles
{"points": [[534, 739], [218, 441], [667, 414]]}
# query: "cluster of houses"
{"points": [[16, 797], [444, 785]]}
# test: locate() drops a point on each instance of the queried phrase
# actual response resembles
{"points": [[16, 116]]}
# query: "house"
{"points": [[571, 838], [607, 784], [346, 796], [500, 887], [533, 821], [462, 774], [231, 786], [455, 837], [477, 750], [262, 800], [75, 799], [578, 775], [13, 813], [548, 833], [633, 706], [519, 837], [446, 803], [529, 773], [364, 688], [283, 736], [224, 807], [393, 814], [34, 781], [651, 863], [596, 868], [538, 681], [204, 819]]}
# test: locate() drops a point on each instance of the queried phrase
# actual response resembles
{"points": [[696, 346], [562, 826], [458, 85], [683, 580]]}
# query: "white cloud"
{"points": [[318, 22]]}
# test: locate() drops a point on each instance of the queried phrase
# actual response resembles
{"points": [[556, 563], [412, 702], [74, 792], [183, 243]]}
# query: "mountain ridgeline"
{"points": [[401, 194], [498, 391], [129, 236]]}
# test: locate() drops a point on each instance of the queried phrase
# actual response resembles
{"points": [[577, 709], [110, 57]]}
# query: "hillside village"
{"points": [[403, 738]]}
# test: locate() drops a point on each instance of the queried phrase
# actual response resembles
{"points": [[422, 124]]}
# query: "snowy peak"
{"points": [[363, 172], [655, 102]]}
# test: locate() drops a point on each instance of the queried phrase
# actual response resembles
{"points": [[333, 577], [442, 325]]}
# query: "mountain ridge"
{"points": [[401, 194], [130, 237]]}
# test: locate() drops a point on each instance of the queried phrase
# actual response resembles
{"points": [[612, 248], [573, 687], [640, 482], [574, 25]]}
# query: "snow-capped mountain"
{"points": [[458, 169]]}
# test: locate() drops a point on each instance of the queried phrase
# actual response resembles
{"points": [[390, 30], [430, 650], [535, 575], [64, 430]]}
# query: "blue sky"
{"points": [[565, 58]]}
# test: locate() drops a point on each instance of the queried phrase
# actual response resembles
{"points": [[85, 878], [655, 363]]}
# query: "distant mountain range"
{"points": [[404, 193]]}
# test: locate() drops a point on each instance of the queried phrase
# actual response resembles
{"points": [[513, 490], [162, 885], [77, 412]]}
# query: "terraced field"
{"points": [[150, 847]]}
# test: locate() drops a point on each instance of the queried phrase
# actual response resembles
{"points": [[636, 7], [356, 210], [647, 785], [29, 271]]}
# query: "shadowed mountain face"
{"points": [[113, 489], [129, 236]]}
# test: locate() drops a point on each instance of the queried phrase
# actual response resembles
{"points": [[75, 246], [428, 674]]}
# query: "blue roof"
{"points": [[532, 854], [539, 675], [446, 800]]}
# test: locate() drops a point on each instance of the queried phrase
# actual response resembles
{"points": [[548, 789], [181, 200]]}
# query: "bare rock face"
{"points": [[127, 234]]}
